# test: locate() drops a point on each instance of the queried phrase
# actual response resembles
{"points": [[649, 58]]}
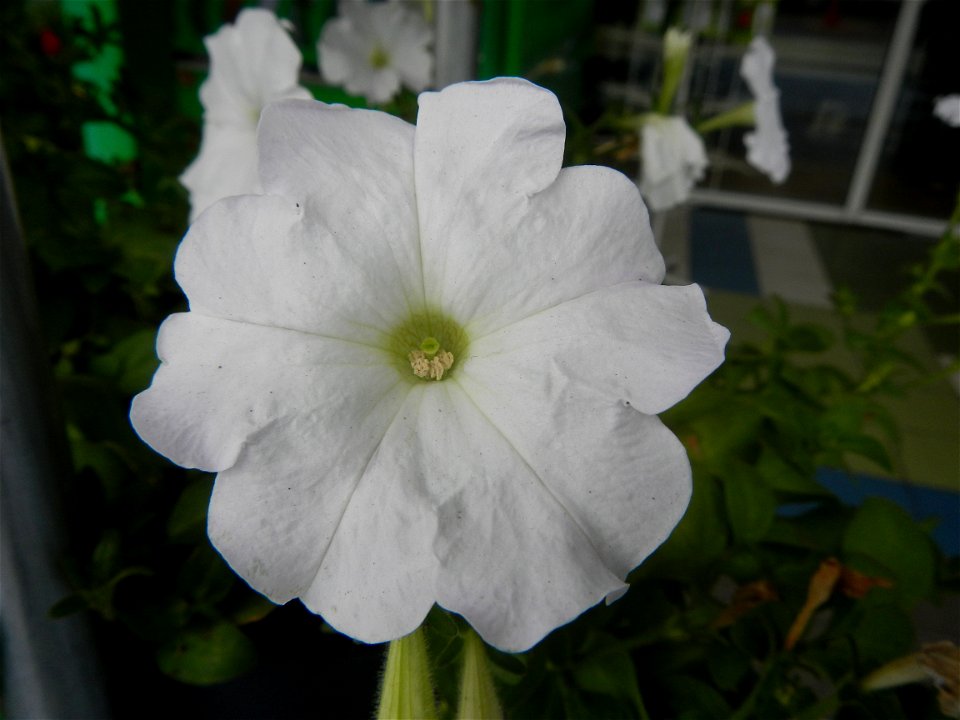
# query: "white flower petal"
{"points": [[340, 49], [587, 230], [491, 144], [378, 578], [756, 68], [408, 46], [674, 159], [646, 345], [513, 561], [482, 151], [223, 381], [621, 474], [381, 85], [225, 166], [767, 146], [286, 516], [263, 260], [252, 62], [947, 108], [352, 173]]}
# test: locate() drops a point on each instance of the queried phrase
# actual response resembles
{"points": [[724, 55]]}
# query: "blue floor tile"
{"points": [[720, 254], [922, 503]]}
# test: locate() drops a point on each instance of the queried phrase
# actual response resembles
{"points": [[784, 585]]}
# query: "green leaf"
{"points": [[105, 459], [825, 707], [773, 320], [612, 673], [207, 655], [820, 530], [782, 477], [131, 362], [69, 605], [842, 430], [724, 432], [253, 608], [699, 538], [728, 665], [807, 337], [885, 632], [507, 668], [205, 577], [882, 539], [188, 520], [692, 698], [751, 506], [106, 555], [868, 447]]}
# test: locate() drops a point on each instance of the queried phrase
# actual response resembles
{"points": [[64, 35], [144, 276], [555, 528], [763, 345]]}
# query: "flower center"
{"points": [[430, 361], [427, 346], [379, 58]]}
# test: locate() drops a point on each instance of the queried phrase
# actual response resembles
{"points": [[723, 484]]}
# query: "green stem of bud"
{"points": [[743, 115], [676, 49], [406, 692], [478, 696]]}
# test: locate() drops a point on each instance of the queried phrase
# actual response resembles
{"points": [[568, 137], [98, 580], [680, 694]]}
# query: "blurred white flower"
{"points": [[426, 365], [372, 49], [673, 159], [947, 108], [676, 45], [767, 146], [252, 63]]}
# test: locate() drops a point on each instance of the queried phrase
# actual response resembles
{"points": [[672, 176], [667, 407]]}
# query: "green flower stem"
{"points": [[478, 697], [740, 115], [407, 693], [630, 122]]}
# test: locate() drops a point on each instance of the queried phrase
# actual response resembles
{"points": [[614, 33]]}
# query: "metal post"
{"points": [[456, 42], [49, 666], [887, 92]]}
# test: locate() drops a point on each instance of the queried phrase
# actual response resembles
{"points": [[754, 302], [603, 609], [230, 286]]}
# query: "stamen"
{"points": [[430, 368]]}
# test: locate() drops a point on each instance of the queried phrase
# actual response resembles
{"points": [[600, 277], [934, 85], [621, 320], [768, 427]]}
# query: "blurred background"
{"points": [[113, 603]]}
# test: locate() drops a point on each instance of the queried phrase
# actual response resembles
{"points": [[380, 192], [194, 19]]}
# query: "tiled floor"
{"points": [[742, 259]]}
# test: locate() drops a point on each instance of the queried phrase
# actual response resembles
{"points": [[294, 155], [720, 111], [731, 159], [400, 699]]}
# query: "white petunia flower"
{"points": [[947, 108], [427, 364], [673, 160], [767, 146], [251, 63], [373, 48]]}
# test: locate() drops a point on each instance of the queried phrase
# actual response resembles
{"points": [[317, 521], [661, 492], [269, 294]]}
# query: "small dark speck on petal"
{"points": [[219, 367]]}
